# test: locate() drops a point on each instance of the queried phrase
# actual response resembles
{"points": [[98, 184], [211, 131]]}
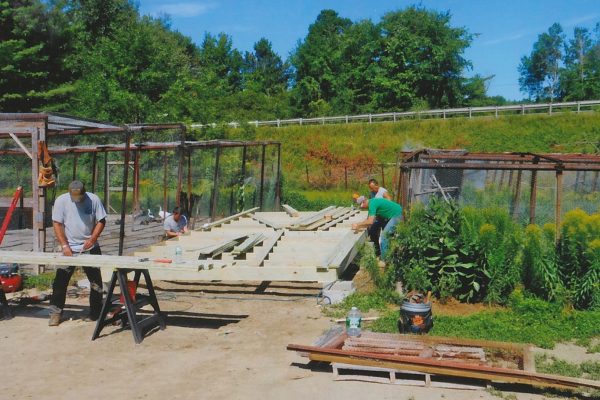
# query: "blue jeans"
{"points": [[383, 241]]}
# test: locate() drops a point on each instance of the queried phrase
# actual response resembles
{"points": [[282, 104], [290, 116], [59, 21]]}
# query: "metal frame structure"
{"points": [[42, 127], [517, 161]]}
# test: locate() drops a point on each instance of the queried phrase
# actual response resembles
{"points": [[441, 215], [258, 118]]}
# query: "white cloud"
{"points": [[580, 20], [188, 9], [504, 39]]}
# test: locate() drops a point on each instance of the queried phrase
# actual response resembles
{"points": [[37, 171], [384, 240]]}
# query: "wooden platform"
{"points": [[252, 246], [285, 254]]}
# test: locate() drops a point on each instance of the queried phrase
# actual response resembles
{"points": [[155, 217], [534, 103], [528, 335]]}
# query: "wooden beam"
{"points": [[292, 212], [450, 368], [207, 227], [260, 255]]}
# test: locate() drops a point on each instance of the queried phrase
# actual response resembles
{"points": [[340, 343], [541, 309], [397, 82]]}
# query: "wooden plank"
{"points": [[450, 368], [207, 227], [348, 214], [243, 273], [313, 218], [261, 254], [266, 222], [350, 241], [88, 260], [249, 243], [292, 212]]}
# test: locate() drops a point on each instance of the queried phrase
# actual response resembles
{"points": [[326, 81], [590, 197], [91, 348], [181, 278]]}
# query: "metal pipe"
{"points": [[94, 171], [262, 178], [559, 186], [124, 193], [278, 179], [165, 207], [213, 202]]}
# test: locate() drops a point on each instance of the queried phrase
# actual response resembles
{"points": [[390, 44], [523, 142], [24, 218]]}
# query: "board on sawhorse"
{"points": [[132, 302]]}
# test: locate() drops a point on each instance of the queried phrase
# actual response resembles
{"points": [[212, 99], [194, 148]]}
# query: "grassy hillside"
{"points": [[325, 149]]}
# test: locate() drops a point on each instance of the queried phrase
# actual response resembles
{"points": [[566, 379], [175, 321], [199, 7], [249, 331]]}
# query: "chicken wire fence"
{"points": [[529, 196]]}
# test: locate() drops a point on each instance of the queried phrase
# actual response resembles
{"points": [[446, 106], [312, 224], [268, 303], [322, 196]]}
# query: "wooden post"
{"points": [[124, 193], [94, 171], [213, 202], [382, 175], [278, 179], [307, 179], [346, 177], [559, 181], [38, 134], [404, 191], [595, 181], [262, 178]]}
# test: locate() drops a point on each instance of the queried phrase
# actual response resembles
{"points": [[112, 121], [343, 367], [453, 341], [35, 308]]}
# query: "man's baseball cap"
{"points": [[77, 191]]}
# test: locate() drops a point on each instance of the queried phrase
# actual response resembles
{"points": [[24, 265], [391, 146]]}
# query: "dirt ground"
{"points": [[223, 341]]}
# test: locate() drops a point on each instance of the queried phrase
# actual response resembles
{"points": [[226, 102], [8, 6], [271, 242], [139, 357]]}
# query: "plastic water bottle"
{"points": [[353, 321], [178, 254]]}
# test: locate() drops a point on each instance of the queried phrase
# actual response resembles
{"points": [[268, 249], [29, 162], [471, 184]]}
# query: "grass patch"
{"points": [[379, 300], [40, 282], [552, 365], [527, 320]]}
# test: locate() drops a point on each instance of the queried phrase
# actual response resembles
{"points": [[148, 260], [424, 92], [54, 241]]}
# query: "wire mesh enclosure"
{"points": [[140, 171], [533, 188]]}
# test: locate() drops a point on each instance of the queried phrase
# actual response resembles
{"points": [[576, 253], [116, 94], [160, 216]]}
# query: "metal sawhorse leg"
{"points": [[6, 311], [138, 327]]}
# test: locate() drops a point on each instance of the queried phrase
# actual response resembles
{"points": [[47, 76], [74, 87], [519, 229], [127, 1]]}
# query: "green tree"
{"points": [[421, 58], [264, 70], [124, 77], [540, 71], [317, 61], [32, 43]]}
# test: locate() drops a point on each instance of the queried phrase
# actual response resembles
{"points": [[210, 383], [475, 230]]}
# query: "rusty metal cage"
{"points": [[533, 188]]}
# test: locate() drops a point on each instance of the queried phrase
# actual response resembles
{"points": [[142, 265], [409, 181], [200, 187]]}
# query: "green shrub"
{"points": [[578, 255]]}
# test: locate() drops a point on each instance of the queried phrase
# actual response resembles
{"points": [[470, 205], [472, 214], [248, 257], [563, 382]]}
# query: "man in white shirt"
{"points": [[78, 218]]}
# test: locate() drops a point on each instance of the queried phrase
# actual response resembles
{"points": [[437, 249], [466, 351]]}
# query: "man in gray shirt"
{"points": [[78, 218], [175, 224]]}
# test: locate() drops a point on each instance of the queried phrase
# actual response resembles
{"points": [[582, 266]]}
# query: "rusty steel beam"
{"points": [[491, 166]]}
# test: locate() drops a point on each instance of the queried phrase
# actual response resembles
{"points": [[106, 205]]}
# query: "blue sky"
{"points": [[506, 29]]}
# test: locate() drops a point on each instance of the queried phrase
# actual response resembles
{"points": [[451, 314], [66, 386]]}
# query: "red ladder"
{"points": [[8, 215]]}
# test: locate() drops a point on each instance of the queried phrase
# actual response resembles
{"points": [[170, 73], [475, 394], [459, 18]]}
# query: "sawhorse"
{"points": [[138, 327], [6, 311]]}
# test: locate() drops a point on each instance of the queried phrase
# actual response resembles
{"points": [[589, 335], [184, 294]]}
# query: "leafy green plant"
{"points": [[42, 281], [527, 319]]}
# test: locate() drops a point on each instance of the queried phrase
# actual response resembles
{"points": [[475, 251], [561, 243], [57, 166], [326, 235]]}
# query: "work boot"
{"points": [[54, 319]]}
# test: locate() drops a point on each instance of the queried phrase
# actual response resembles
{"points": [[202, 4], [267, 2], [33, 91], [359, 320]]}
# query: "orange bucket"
{"points": [[132, 287]]}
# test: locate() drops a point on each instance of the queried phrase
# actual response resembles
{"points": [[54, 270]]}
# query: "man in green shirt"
{"points": [[390, 212]]}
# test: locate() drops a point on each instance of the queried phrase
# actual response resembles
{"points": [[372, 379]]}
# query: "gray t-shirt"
{"points": [[79, 219], [379, 194], [176, 226]]}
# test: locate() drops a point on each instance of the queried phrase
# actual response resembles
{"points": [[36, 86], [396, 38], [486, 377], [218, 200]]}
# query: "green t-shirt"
{"points": [[384, 208]]}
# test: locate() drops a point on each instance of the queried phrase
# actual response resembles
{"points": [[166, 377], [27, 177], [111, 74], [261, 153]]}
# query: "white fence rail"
{"points": [[577, 106]]}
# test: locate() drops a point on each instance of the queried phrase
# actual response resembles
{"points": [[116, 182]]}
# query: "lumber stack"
{"points": [[373, 343]]}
